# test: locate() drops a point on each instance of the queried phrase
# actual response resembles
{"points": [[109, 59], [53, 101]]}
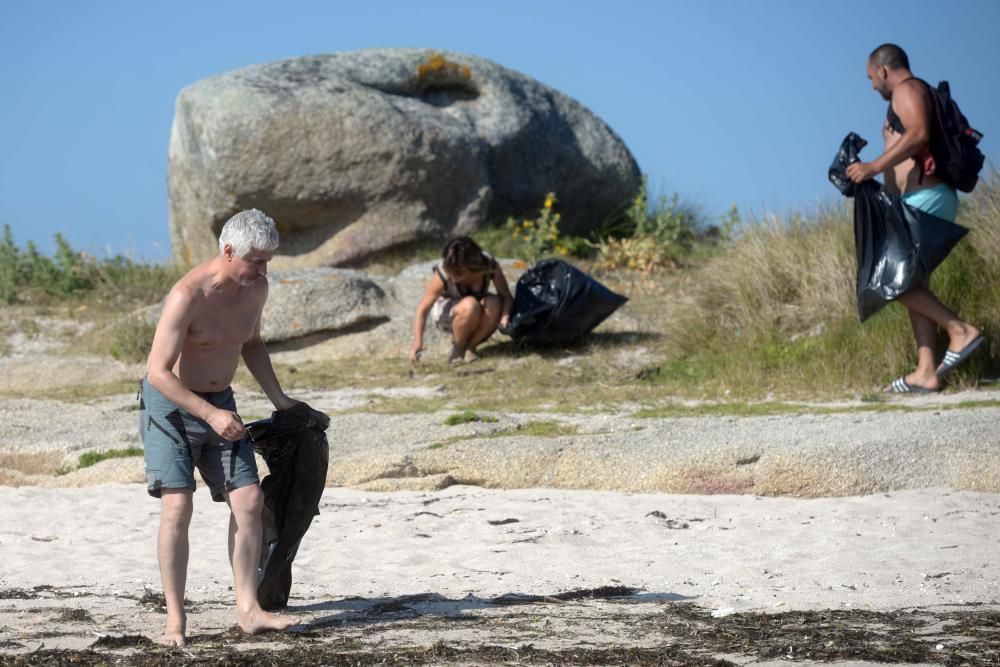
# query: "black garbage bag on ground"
{"points": [[556, 303], [897, 245], [293, 444]]}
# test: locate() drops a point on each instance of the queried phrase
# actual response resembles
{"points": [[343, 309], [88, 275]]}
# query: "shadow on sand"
{"points": [[361, 610]]}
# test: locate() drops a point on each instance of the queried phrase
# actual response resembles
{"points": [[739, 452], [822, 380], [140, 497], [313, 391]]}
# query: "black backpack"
{"points": [[954, 144]]}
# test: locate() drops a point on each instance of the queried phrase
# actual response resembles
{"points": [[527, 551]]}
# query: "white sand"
{"points": [[912, 548], [94, 546]]}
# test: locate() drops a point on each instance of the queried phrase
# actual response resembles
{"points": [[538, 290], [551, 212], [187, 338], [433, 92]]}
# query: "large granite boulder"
{"points": [[303, 303], [359, 152], [307, 305]]}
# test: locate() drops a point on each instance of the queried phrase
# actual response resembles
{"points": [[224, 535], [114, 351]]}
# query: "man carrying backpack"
{"points": [[912, 170]]}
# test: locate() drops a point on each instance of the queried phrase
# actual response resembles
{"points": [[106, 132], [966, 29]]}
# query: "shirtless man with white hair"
{"points": [[211, 318]]}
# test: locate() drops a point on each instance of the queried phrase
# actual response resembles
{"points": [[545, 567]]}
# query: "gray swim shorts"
{"points": [[174, 442]]}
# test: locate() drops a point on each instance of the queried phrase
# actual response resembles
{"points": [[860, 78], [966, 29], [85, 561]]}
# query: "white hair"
{"points": [[249, 230]]}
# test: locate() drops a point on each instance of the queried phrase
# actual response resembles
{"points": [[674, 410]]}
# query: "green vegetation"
{"points": [[648, 236], [545, 428], [77, 286], [467, 417], [28, 276], [131, 338], [539, 237], [88, 459], [642, 235]]}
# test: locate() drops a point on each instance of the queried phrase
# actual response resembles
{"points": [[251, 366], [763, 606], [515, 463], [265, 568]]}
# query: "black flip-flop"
{"points": [[954, 359], [901, 386]]}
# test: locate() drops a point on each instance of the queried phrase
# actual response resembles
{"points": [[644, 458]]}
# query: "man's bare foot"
{"points": [[173, 635], [174, 639], [259, 620], [471, 355]]}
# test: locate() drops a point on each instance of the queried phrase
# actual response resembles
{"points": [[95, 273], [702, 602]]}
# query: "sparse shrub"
{"points": [[131, 338], [539, 237], [636, 238], [639, 253], [9, 265], [729, 224], [62, 275], [70, 274], [644, 237], [668, 220]]}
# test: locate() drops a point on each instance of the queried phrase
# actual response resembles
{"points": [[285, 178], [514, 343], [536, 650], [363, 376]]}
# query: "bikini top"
{"points": [[453, 290]]}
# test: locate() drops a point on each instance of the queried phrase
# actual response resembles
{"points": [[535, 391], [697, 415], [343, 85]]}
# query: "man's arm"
{"points": [[910, 104], [168, 341], [258, 361]]}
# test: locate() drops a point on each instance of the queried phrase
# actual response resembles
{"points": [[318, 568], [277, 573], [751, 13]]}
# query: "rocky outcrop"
{"points": [[356, 153], [322, 300]]}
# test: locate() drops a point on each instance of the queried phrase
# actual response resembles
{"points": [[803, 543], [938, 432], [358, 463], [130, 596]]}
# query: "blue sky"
{"points": [[725, 102]]}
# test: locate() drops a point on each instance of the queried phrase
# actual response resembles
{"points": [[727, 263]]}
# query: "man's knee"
{"points": [[246, 500], [176, 506]]}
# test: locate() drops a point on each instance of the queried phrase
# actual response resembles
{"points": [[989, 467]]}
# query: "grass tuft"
{"points": [[88, 459], [467, 417], [543, 428]]}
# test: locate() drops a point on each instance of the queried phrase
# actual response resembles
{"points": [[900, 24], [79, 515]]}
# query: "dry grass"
{"points": [[776, 313], [786, 276], [31, 463]]}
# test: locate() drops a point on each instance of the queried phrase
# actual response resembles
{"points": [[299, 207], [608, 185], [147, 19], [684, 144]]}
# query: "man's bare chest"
{"points": [[217, 322]]}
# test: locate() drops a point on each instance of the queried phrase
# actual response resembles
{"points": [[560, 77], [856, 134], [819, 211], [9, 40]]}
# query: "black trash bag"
{"points": [[293, 444], [556, 303], [897, 245], [846, 155]]}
